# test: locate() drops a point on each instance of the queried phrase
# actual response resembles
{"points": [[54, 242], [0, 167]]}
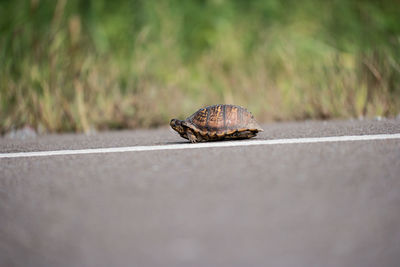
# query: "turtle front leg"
{"points": [[191, 136]]}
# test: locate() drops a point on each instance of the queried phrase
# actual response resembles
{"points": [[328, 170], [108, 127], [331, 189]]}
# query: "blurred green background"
{"points": [[81, 65]]}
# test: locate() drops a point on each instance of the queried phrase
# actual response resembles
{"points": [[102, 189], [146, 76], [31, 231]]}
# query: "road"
{"points": [[313, 204]]}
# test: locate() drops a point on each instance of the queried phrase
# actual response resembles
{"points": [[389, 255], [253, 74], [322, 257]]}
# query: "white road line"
{"points": [[203, 145]]}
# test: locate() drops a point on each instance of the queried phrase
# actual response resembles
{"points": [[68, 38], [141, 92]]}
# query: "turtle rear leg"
{"points": [[191, 136], [243, 135]]}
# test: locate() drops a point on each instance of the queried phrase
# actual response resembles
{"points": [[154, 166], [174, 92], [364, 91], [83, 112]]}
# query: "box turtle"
{"points": [[217, 122]]}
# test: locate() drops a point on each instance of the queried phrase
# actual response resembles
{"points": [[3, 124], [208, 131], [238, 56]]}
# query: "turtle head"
{"points": [[177, 126]]}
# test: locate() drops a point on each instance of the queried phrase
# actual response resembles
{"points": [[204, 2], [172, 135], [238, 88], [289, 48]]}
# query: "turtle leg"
{"points": [[191, 136], [244, 135]]}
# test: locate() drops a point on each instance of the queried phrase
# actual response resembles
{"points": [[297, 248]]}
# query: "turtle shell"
{"points": [[223, 122]]}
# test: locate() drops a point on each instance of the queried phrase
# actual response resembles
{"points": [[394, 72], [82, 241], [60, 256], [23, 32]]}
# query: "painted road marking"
{"points": [[202, 145]]}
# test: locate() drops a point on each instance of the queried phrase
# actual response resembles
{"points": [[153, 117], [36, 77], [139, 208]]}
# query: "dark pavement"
{"points": [[322, 204]]}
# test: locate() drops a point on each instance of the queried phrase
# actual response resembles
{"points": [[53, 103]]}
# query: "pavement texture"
{"points": [[321, 204]]}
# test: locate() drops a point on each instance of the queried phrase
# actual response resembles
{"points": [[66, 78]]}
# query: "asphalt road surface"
{"points": [[315, 204]]}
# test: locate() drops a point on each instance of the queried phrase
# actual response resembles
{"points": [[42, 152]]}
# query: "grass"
{"points": [[83, 65]]}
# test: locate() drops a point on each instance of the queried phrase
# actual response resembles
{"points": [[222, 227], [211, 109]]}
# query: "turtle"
{"points": [[217, 122]]}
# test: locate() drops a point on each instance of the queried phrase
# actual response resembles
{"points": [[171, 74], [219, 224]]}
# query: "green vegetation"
{"points": [[77, 65]]}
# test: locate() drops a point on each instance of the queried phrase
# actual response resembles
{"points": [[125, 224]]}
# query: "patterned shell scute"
{"points": [[221, 119]]}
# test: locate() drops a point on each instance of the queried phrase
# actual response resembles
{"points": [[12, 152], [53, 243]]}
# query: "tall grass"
{"points": [[81, 65]]}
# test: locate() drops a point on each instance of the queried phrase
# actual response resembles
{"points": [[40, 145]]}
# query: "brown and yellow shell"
{"points": [[218, 122]]}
